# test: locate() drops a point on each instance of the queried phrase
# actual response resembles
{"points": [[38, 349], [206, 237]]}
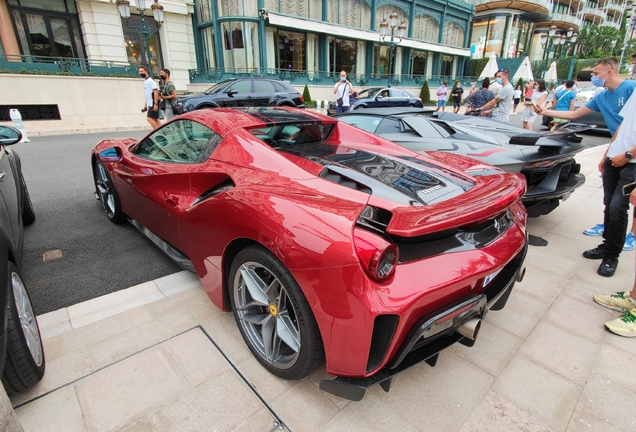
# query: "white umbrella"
{"points": [[491, 68], [524, 72], [551, 74]]}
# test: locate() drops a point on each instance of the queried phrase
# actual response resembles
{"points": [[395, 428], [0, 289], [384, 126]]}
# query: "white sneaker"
{"points": [[619, 301], [624, 325]]}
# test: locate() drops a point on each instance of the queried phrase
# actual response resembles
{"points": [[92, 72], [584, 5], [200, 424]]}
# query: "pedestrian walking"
{"points": [[151, 105], [564, 102], [441, 97], [168, 94], [457, 93], [501, 105], [516, 97], [343, 92], [609, 103], [539, 95]]}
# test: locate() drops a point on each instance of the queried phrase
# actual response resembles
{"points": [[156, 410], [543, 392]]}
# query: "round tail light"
{"points": [[378, 256]]}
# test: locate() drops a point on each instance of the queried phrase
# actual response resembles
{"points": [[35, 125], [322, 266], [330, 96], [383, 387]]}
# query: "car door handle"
{"points": [[172, 201], [2, 174]]}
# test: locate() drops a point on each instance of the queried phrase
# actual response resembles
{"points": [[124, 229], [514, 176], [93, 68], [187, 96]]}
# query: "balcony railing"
{"points": [[608, 23], [545, 3], [594, 11], [614, 6], [37, 65], [214, 75], [571, 19]]}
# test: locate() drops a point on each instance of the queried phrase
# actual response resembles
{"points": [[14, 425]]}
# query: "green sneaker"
{"points": [[619, 301], [624, 325]]}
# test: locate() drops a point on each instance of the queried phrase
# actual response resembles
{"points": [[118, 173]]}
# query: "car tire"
{"points": [[28, 214], [359, 107], [411, 105], [273, 315], [24, 365], [107, 194]]}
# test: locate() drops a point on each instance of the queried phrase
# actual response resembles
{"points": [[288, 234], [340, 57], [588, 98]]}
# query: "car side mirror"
{"points": [[9, 135], [231, 93], [111, 154], [378, 97]]}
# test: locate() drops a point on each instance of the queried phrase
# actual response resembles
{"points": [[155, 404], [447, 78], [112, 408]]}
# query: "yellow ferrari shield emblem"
{"points": [[273, 310]]}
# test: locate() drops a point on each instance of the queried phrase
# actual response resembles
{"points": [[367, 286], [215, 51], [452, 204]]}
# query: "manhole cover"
{"points": [[52, 255]]}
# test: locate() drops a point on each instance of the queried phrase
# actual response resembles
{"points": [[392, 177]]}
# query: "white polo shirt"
{"points": [[626, 137]]}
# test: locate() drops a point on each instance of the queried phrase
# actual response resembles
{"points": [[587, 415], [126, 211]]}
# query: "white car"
{"points": [[586, 94]]}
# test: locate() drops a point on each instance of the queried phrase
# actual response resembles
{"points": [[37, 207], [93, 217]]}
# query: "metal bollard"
{"points": [[16, 119]]}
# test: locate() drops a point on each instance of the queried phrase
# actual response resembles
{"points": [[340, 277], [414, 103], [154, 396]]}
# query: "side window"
{"points": [[181, 141], [384, 93], [398, 93], [244, 86], [367, 123], [263, 87], [389, 126]]}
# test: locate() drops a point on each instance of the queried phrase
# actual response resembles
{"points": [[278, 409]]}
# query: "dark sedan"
{"points": [[595, 120], [21, 350], [381, 97], [546, 160], [245, 92]]}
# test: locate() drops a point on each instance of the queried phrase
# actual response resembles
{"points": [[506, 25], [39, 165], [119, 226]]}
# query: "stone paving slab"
{"points": [[161, 357]]}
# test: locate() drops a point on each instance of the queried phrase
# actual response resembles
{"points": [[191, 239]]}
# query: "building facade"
{"points": [[314, 39], [512, 29], [39, 33]]}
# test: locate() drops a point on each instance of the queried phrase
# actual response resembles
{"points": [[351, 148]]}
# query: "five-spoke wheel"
{"points": [[107, 194], [273, 315]]}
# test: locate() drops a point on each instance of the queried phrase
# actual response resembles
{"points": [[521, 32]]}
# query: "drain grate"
{"points": [[52, 255]]}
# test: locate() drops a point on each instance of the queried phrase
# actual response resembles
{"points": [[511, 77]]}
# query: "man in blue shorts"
{"points": [[441, 97], [609, 103]]}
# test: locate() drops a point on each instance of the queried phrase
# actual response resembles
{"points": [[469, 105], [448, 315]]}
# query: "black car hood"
{"points": [[400, 179]]}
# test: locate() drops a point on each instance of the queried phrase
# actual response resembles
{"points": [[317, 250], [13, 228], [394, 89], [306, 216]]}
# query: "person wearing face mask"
{"points": [[501, 105], [343, 90], [538, 97], [457, 93], [618, 167], [152, 97], [168, 94]]}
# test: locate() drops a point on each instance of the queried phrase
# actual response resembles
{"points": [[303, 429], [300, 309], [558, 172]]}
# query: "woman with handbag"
{"points": [[168, 95]]}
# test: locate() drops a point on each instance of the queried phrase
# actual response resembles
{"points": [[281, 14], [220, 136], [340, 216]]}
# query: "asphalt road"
{"points": [[98, 257]]}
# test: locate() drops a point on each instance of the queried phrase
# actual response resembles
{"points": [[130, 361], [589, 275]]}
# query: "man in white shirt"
{"points": [[151, 97], [620, 153], [343, 90], [494, 86]]}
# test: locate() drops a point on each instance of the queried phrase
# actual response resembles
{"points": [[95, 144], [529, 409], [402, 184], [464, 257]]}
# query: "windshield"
{"points": [[217, 87]]}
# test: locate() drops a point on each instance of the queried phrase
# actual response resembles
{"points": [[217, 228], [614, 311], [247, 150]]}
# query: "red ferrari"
{"points": [[329, 244]]}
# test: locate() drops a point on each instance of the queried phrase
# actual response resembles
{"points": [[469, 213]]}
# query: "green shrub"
{"points": [[425, 93], [307, 96]]}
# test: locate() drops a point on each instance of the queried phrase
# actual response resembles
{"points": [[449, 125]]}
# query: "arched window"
{"points": [[426, 28], [384, 12], [311, 9], [352, 13], [453, 35]]}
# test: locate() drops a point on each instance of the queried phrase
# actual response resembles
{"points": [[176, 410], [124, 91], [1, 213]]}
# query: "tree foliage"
{"points": [[596, 42], [306, 95]]}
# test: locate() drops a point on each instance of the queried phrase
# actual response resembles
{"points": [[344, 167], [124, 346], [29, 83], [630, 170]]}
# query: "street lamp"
{"points": [[384, 27], [157, 12], [554, 40]]}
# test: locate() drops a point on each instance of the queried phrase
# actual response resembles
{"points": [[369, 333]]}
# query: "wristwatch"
{"points": [[628, 155]]}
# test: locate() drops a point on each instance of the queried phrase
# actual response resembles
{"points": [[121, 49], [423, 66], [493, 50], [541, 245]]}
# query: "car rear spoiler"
{"points": [[556, 137], [493, 195]]}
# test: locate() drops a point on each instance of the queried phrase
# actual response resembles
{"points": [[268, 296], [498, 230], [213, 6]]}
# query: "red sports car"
{"points": [[329, 244]]}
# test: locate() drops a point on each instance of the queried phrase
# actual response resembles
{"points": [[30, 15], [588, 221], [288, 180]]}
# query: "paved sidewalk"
{"points": [[160, 356]]}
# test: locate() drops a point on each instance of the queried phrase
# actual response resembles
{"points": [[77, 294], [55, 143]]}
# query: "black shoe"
{"points": [[608, 267], [596, 253]]}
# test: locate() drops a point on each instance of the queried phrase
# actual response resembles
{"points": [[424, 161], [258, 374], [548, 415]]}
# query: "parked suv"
{"points": [[21, 352], [245, 92]]}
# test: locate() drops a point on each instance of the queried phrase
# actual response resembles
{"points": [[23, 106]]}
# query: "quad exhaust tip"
{"points": [[470, 328], [521, 273]]}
